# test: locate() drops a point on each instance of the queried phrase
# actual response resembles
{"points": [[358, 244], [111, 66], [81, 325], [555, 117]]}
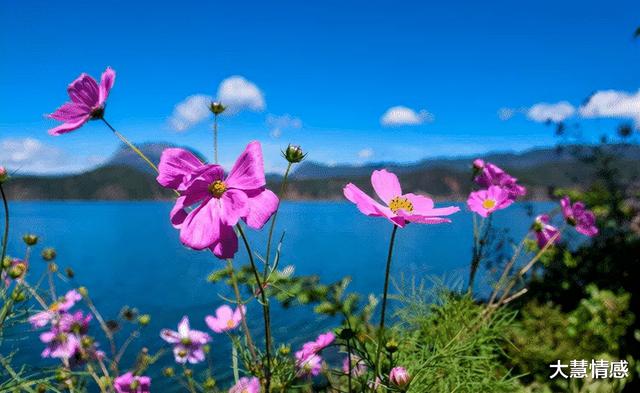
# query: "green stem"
{"points": [[384, 297], [215, 139], [245, 327], [5, 236], [283, 188], [131, 145], [265, 310]]}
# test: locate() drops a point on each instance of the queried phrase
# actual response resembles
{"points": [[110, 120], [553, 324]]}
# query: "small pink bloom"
{"points": [[60, 344], [577, 215], [87, 102], [485, 202], [308, 365], [545, 232], [222, 201], [63, 304], [187, 343], [492, 175], [399, 208], [129, 383], [246, 385], [358, 367], [226, 319], [314, 347], [399, 377], [3, 174], [76, 323]]}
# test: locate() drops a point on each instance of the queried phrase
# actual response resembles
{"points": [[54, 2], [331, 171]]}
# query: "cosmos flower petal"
{"points": [[233, 206], [84, 90], [68, 127], [364, 202], [227, 244], [201, 227], [386, 185], [175, 165], [106, 83], [248, 171], [263, 203]]}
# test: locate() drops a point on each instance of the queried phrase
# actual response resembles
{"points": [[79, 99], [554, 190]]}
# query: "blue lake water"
{"points": [[128, 253]]}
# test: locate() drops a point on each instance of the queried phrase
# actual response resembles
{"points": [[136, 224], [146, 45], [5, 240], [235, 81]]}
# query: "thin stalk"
{"points": [[283, 188], [384, 297], [131, 145], [5, 236], [265, 310], [349, 363], [505, 272], [245, 327], [215, 138]]}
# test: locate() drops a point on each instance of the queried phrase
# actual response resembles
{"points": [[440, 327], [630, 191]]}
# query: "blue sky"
{"points": [[319, 74]]}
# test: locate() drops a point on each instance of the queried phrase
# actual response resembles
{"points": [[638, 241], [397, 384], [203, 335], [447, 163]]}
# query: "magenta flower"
{"points": [[578, 216], [60, 343], [222, 201], [491, 175], [129, 383], [187, 343], [246, 385], [77, 323], [226, 319], [400, 377], [358, 367], [87, 102], [314, 347], [485, 202], [545, 232], [309, 365], [63, 304], [400, 208]]}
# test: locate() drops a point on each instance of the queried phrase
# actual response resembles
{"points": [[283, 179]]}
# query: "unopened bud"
{"points": [[346, 334], [168, 372], [30, 239], [3, 174], [83, 291], [399, 377], [391, 346], [6, 262], [18, 296], [188, 372], [217, 108], [144, 319], [52, 267], [49, 254], [69, 272], [284, 350], [293, 154], [17, 270], [209, 383]]}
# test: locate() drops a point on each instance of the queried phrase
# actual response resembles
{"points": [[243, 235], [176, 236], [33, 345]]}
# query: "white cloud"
{"points": [[29, 155], [280, 123], [505, 114], [366, 153], [238, 94], [612, 103], [557, 112], [190, 112], [402, 116]]}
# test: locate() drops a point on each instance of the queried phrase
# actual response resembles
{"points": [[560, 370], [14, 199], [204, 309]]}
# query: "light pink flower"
{"points": [[309, 365], [87, 102], [399, 208], [358, 367], [226, 319], [545, 232], [129, 383], [246, 385], [63, 304], [314, 347], [577, 215], [187, 343], [60, 343], [399, 377], [222, 201], [488, 174], [485, 202]]}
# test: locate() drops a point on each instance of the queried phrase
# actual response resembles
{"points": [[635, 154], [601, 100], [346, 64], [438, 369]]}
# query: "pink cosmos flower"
{"points": [[87, 102], [187, 343], [485, 202], [226, 319], [65, 303], [246, 385], [399, 377], [222, 201], [77, 323], [545, 232], [60, 344], [358, 367], [129, 383], [310, 365], [400, 208], [314, 347], [577, 215], [489, 174]]}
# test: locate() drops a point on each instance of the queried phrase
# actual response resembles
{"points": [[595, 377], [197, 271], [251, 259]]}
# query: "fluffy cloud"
{"points": [[239, 94], [29, 155], [403, 116], [280, 123], [366, 153], [236, 93], [557, 112], [190, 112], [612, 103]]}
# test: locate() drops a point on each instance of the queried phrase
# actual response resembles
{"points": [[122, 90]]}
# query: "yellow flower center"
{"points": [[230, 324], [399, 203], [489, 204], [217, 188]]}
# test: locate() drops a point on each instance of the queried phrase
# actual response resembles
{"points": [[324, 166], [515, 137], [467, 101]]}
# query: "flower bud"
{"points": [[399, 377], [391, 346], [3, 174], [209, 383], [49, 254], [188, 372], [69, 272], [83, 291], [6, 262], [168, 372], [53, 268], [30, 239], [284, 350], [217, 108], [293, 154], [144, 319], [18, 296], [17, 270], [346, 334]]}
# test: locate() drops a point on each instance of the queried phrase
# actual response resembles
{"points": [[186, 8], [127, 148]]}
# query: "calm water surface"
{"points": [[128, 253]]}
